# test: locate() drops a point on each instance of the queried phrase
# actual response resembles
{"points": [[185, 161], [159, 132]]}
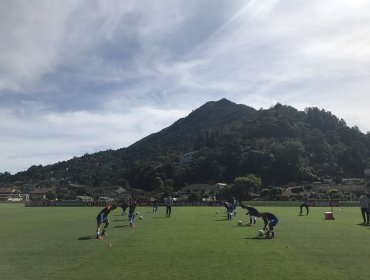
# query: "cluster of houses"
{"points": [[200, 192], [115, 193]]}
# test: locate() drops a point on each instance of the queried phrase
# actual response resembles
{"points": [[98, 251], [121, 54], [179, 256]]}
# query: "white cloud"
{"points": [[51, 137], [82, 76], [31, 36]]}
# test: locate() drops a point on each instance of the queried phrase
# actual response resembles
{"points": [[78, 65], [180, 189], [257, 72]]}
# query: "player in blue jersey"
{"points": [[270, 221]]}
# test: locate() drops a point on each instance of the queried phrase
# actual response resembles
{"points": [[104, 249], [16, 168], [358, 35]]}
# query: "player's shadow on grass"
{"points": [[121, 226], [364, 225], [256, 238], [84, 238], [220, 220], [119, 220]]}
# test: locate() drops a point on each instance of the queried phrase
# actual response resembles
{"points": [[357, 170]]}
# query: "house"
{"points": [[119, 193], [41, 193], [114, 192], [208, 192], [289, 194], [139, 194], [353, 181], [221, 186], [9, 192], [105, 199], [84, 198]]}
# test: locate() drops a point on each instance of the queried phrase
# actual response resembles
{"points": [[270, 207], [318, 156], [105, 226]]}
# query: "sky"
{"points": [[83, 76]]}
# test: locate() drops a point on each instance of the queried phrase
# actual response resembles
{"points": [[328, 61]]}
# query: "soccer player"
{"points": [[305, 204], [229, 209], [155, 205], [124, 206], [131, 211], [168, 201], [103, 218], [234, 203], [252, 212], [364, 204], [270, 220]]}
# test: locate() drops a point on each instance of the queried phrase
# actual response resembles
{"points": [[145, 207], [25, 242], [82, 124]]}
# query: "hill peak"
{"points": [[221, 102]]}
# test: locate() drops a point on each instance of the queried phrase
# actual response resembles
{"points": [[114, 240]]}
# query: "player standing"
{"points": [[234, 204], [131, 211], [155, 205], [168, 201], [364, 204]]}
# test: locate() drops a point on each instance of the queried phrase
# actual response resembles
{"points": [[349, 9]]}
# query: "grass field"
{"points": [[195, 243]]}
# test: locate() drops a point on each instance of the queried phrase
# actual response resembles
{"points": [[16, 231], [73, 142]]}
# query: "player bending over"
{"points": [[103, 218], [131, 211], [270, 220], [252, 212], [306, 205], [229, 209]]}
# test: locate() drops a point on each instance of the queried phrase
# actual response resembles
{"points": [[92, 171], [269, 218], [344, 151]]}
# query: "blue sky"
{"points": [[80, 76]]}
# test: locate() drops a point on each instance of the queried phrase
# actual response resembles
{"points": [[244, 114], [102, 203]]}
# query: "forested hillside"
{"points": [[217, 143]]}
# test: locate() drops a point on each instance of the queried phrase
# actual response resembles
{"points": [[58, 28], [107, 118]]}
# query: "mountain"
{"points": [[218, 142], [212, 116]]}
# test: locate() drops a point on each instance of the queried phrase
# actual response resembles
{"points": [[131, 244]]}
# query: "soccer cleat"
{"points": [[99, 238], [104, 233]]}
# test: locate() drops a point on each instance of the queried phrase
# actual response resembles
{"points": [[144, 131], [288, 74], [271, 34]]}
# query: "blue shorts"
{"points": [[273, 222], [131, 216]]}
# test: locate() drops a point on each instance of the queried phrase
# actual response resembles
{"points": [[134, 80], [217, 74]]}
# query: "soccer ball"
{"points": [[141, 217], [240, 223], [261, 232]]}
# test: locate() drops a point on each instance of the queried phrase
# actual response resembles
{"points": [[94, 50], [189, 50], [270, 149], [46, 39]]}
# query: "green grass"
{"points": [[195, 243]]}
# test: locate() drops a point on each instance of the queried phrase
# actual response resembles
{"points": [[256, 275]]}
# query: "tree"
{"points": [[334, 194], [265, 194], [4, 176], [297, 189], [275, 192], [159, 184], [163, 187], [244, 185], [195, 197]]}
